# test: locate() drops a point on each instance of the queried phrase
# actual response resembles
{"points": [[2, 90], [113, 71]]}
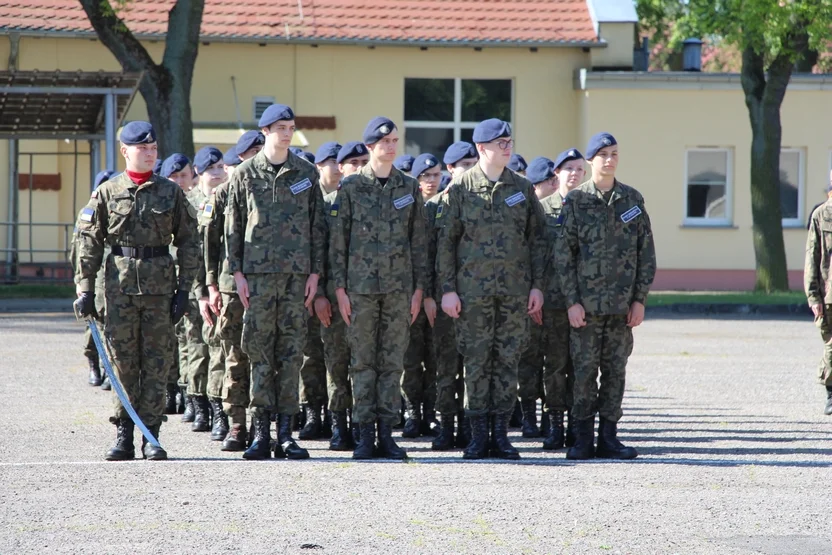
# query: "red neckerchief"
{"points": [[138, 177]]}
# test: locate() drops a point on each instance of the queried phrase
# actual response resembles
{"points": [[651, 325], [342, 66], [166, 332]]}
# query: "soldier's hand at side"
{"points": [[451, 305], [635, 316], [242, 288], [214, 299], [205, 310], [415, 305], [84, 305], [537, 317], [311, 290], [324, 311], [817, 310], [344, 306], [577, 316], [430, 310], [535, 302], [178, 306]]}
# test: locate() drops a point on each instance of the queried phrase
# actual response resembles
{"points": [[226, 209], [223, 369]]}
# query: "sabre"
{"points": [[117, 387]]}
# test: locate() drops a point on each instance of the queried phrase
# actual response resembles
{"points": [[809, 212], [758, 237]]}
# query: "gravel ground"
{"points": [[735, 458]]}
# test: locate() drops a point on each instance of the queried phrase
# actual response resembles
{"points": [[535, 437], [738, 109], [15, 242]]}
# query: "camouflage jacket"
{"points": [[818, 253], [274, 222], [605, 253], [216, 264], [377, 244], [552, 208], [326, 286], [433, 288], [197, 200], [120, 213], [490, 236]]}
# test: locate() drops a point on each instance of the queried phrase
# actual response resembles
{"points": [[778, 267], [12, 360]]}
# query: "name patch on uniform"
{"points": [[516, 198], [300, 186], [631, 214], [401, 202], [439, 211], [333, 211], [87, 214]]}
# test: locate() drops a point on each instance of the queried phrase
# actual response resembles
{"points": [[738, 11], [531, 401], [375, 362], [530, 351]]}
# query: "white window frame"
{"points": [[728, 220], [458, 125], [256, 100], [799, 221]]}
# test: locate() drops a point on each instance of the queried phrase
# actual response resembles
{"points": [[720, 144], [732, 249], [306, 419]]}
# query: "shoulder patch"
{"points": [[87, 214], [439, 211], [333, 210], [208, 209], [631, 214]]}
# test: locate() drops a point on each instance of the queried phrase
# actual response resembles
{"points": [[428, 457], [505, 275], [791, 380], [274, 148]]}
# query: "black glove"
{"points": [[85, 304], [178, 306]]}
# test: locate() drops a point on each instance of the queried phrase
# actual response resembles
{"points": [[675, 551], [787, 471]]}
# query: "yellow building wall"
{"points": [[619, 52], [655, 127]]}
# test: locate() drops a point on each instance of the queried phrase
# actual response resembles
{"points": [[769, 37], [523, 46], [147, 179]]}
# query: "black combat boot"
{"points": [[123, 450], [366, 444], [220, 427], [312, 428], [445, 440], [429, 426], [95, 372], [355, 429], [202, 415], [150, 452], [529, 409], [463, 430], [387, 448], [478, 446], [608, 445], [286, 447], [516, 416], [554, 439], [341, 438], [261, 438], [584, 447], [326, 425], [236, 439], [413, 422], [501, 446], [190, 412], [170, 398], [105, 383], [545, 424], [570, 429], [828, 410], [181, 399]]}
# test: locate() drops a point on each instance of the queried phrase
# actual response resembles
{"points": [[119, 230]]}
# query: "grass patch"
{"points": [[37, 291], [665, 298]]}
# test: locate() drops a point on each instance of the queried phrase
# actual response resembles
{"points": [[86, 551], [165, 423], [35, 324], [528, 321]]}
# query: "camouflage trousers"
{"points": [[492, 333], [140, 337], [378, 336], [605, 343], [181, 352], [313, 369], [450, 378], [530, 367], [824, 324], [419, 377], [197, 354], [216, 360], [274, 331], [337, 358], [237, 379], [558, 374]]}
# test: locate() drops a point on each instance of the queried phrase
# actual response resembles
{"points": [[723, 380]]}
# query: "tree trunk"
{"points": [[763, 97]]}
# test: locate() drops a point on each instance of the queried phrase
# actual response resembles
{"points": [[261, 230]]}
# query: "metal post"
{"points": [[31, 190], [110, 130], [11, 228], [95, 161]]}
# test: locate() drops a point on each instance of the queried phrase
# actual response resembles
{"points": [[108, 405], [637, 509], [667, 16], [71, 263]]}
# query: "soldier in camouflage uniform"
{"points": [[816, 283], [351, 158], [376, 257], [419, 378], [138, 214], [517, 164], [450, 383], [607, 262], [274, 237], [490, 263]]}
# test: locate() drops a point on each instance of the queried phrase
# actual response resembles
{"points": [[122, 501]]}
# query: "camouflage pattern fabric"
{"points": [[337, 358], [216, 360], [181, 351], [558, 373], [197, 351], [313, 369], [816, 281], [450, 379], [419, 376], [552, 210], [216, 264], [235, 391], [530, 367]]}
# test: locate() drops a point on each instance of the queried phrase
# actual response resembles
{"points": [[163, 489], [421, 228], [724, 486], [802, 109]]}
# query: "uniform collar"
{"points": [[396, 178], [262, 163], [618, 191]]}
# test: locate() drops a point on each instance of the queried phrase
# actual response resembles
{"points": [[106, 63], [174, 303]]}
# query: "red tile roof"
{"points": [[423, 22]]}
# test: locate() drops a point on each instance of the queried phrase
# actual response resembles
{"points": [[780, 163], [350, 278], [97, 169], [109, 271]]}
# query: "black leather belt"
{"points": [[140, 252]]}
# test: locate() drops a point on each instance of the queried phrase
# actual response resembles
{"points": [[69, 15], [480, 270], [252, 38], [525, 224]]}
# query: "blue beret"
{"points": [[174, 163], [206, 157], [275, 112], [517, 163], [297, 151], [423, 163], [248, 140], [491, 130], [566, 156], [597, 142], [443, 183], [308, 156], [458, 151], [351, 150], [404, 163], [157, 167], [101, 177], [377, 129], [327, 151], [137, 133], [540, 169], [231, 158]]}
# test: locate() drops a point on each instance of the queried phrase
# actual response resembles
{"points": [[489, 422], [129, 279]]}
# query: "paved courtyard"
{"points": [[735, 458]]}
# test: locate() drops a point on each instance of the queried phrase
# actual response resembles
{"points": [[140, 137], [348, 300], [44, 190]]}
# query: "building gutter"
{"points": [[584, 80]]}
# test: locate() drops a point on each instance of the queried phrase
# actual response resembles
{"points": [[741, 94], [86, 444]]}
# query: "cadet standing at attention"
{"points": [[419, 378], [138, 214], [377, 255], [274, 237], [517, 164], [490, 264], [404, 163], [351, 158], [607, 262]]}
